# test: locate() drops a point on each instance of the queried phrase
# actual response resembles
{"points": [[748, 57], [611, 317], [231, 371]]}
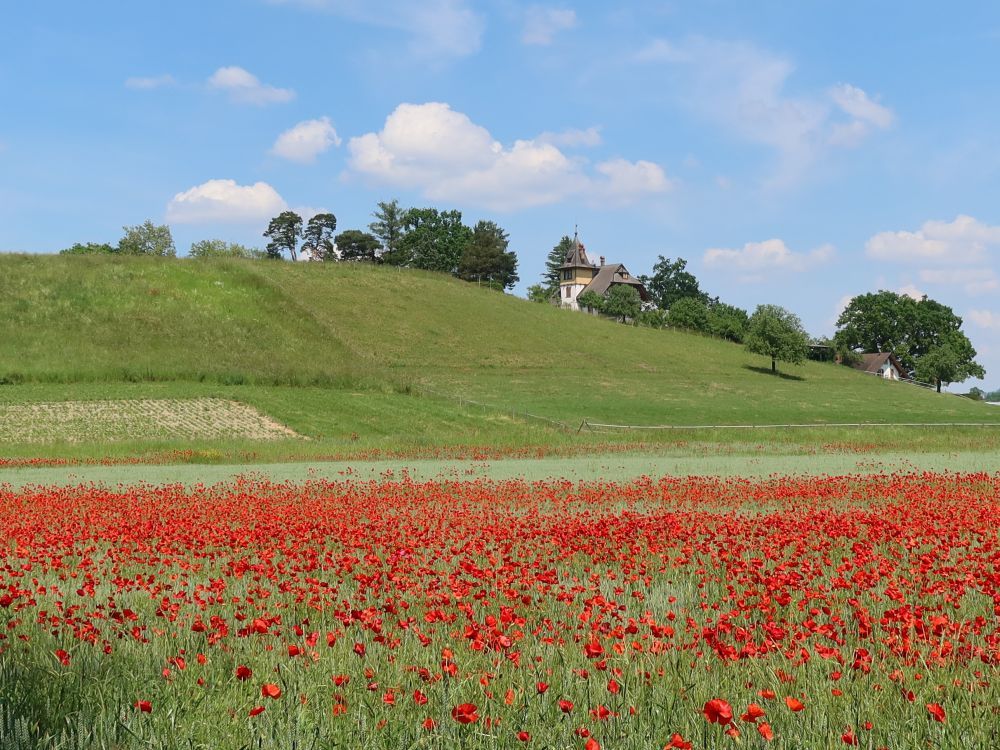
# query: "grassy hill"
{"points": [[332, 348]]}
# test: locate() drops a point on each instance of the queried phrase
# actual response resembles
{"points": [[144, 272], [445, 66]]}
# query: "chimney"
{"points": [[602, 260]]}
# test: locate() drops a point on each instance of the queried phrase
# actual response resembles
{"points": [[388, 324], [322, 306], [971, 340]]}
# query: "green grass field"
{"points": [[361, 358]]}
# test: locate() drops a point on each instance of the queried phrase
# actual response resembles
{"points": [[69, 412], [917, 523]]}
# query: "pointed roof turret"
{"points": [[577, 255]]}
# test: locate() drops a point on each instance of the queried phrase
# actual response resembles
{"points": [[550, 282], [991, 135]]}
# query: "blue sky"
{"points": [[793, 153]]}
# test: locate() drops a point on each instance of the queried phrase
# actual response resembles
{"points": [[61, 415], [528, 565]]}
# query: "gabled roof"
{"points": [[612, 274], [577, 256], [876, 361]]}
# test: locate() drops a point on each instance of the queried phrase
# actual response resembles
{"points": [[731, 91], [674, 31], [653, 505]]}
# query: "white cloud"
{"points": [[573, 138], [307, 140], [542, 24], [626, 180], [973, 281], [244, 87], [865, 114], [226, 202], [742, 88], [985, 319], [438, 29], [770, 255], [442, 153], [964, 240], [150, 82], [909, 290]]}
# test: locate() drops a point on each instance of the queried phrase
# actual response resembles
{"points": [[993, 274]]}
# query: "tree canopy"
{"points": [[355, 245], [689, 313], [147, 239], [434, 240], [283, 232], [777, 333], [555, 258], [486, 259], [670, 282], [889, 322], [388, 227], [622, 301], [89, 248], [317, 237], [222, 249]]}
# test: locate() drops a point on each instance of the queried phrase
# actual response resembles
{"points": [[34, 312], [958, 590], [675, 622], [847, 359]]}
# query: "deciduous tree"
{"points": [[433, 240], [223, 249], [147, 239], [777, 333], [623, 302], [355, 245], [670, 282], [689, 313]]}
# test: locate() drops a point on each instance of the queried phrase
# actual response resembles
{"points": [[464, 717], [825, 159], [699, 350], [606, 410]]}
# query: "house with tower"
{"points": [[578, 274]]}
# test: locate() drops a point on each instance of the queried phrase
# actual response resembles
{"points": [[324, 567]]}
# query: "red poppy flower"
{"points": [[145, 707], [465, 713], [591, 744], [794, 703], [753, 713], [270, 690], [679, 743], [243, 673], [848, 737], [936, 711], [565, 706], [63, 657], [717, 711], [429, 724], [419, 698], [256, 711], [541, 687], [524, 737], [765, 731]]}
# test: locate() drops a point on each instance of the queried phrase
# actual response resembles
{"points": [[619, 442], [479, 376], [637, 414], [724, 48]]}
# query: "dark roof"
{"points": [[615, 273], [875, 361], [577, 256]]}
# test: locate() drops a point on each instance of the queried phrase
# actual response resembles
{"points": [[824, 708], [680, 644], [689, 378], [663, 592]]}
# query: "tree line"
{"points": [[424, 238]]}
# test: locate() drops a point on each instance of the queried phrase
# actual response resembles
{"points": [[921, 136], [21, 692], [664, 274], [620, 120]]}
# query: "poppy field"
{"points": [[792, 612]]}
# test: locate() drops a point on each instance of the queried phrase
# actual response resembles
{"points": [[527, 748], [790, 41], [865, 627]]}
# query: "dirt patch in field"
{"points": [[139, 419]]}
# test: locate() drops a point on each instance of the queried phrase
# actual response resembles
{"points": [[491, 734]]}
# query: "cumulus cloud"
{"points": [[909, 290], [742, 88], [768, 256], [542, 24], [307, 140], [573, 138], [244, 87], [441, 152], [985, 319], [964, 240], [150, 82], [438, 29], [224, 201]]}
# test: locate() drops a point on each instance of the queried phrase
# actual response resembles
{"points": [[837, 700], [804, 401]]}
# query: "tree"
{"points": [[591, 300], [539, 293], [654, 318], [727, 321], [389, 228], [223, 249], [89, 248], [950, 361], [317, 237], [433, 240], [689, 313], [671, 282], [283, 231], [147, 239], [556, 257], [777, 333], [486, 258], [911, 329], [976, 394], [355, 245], [622, 301]]}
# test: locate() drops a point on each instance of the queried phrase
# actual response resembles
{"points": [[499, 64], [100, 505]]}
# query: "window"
{"points": [[567, 291], [567, 275]]}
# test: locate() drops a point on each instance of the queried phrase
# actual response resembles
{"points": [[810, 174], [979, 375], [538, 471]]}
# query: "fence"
{"points": [[602, 427]]}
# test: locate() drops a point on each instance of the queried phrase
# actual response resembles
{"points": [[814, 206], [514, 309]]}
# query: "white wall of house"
{"points": [[889, 372], [574, 292]]}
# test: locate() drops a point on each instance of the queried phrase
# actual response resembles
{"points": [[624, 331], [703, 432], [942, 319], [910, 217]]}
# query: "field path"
{"points": [[610, 467]]}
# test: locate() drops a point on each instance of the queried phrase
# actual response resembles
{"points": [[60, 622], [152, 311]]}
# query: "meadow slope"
{"points": [[322, 348]]}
